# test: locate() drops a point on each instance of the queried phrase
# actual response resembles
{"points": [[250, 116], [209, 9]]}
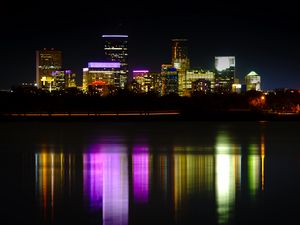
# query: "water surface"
{"points": [[150, 173]]}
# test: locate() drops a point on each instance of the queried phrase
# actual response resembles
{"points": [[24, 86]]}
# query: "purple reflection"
{"points": [[140, 161], [93, 179], [115, 198], [106, 182]]}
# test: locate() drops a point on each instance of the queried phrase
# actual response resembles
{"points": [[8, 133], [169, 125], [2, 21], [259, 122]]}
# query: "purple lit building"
{"points": [[101, 75], [146, 81]]}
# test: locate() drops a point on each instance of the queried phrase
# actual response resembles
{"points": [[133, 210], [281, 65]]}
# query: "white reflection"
{"points": [[228, 176], [106, 183], [115, 189]]}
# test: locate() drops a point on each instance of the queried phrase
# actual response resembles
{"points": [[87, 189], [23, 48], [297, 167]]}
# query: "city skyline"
{"points": [[262, 37]]}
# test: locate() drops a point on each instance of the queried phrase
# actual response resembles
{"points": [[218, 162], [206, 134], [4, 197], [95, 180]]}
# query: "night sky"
{"points": [[263, 36]]}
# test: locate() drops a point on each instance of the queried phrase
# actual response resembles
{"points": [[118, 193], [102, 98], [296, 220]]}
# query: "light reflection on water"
{"points": [[116, 177]]}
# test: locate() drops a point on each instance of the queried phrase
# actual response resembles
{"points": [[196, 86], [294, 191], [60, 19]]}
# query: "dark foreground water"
{"points": [[150, 173]]}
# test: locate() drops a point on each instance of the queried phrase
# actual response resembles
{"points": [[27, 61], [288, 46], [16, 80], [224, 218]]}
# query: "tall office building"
{"points": [[47, 62], [253, 81], [116, 50], [225, 73], [181, 62], [169, 79]]}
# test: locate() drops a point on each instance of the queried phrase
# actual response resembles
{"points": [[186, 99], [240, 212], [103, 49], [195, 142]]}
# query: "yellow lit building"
{"points": [[47, 61], [181, 62], [194, 77], [63, 79]]}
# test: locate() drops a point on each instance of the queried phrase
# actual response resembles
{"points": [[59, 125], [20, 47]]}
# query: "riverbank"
{"points": [[170, 115]]}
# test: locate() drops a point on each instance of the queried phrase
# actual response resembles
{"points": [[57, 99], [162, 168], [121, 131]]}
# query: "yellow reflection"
{"points": [[253, 169], [193, 174], [180, 179], [163, 173], [253, 174], [262, 148], [50, 178]]}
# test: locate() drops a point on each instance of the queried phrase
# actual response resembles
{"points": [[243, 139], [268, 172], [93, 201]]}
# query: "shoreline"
{"points": [[170, 115]]}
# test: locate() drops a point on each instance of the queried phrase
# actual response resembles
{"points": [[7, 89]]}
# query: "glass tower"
{"points": [[116, 50], [225, 73]]}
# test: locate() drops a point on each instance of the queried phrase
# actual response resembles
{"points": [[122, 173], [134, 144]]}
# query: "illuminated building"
{"points": [[63, 79], [225, 73], [199, 80], [253, 81], [134, 87], [181, 62], [157, 81], [169, 76], [237, 88], [143, 80], [201, 85], [148, 82], [116, 50], [47, 61], [100, 76]]}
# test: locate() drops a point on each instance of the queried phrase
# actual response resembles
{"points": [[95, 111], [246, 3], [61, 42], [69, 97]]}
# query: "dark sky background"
{"points": [[263, 36]]}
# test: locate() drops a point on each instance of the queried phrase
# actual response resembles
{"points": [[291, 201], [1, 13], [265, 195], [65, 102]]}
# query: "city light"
{"points": [[114, 36], [104, 64], [140, 71]]}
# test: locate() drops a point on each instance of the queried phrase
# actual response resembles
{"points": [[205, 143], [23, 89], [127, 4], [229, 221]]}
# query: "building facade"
{"points": [[144, 80], [201, 85], [169, 76], [63, 79], [225, 73], [116, 50], [181, 62], [47, 62], [193, 76], [253, 81], [100, 74]]}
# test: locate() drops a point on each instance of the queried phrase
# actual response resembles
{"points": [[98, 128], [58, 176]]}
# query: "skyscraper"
{"points": [[225, 73], [47, 62], [181, 62], [116, 50]]}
